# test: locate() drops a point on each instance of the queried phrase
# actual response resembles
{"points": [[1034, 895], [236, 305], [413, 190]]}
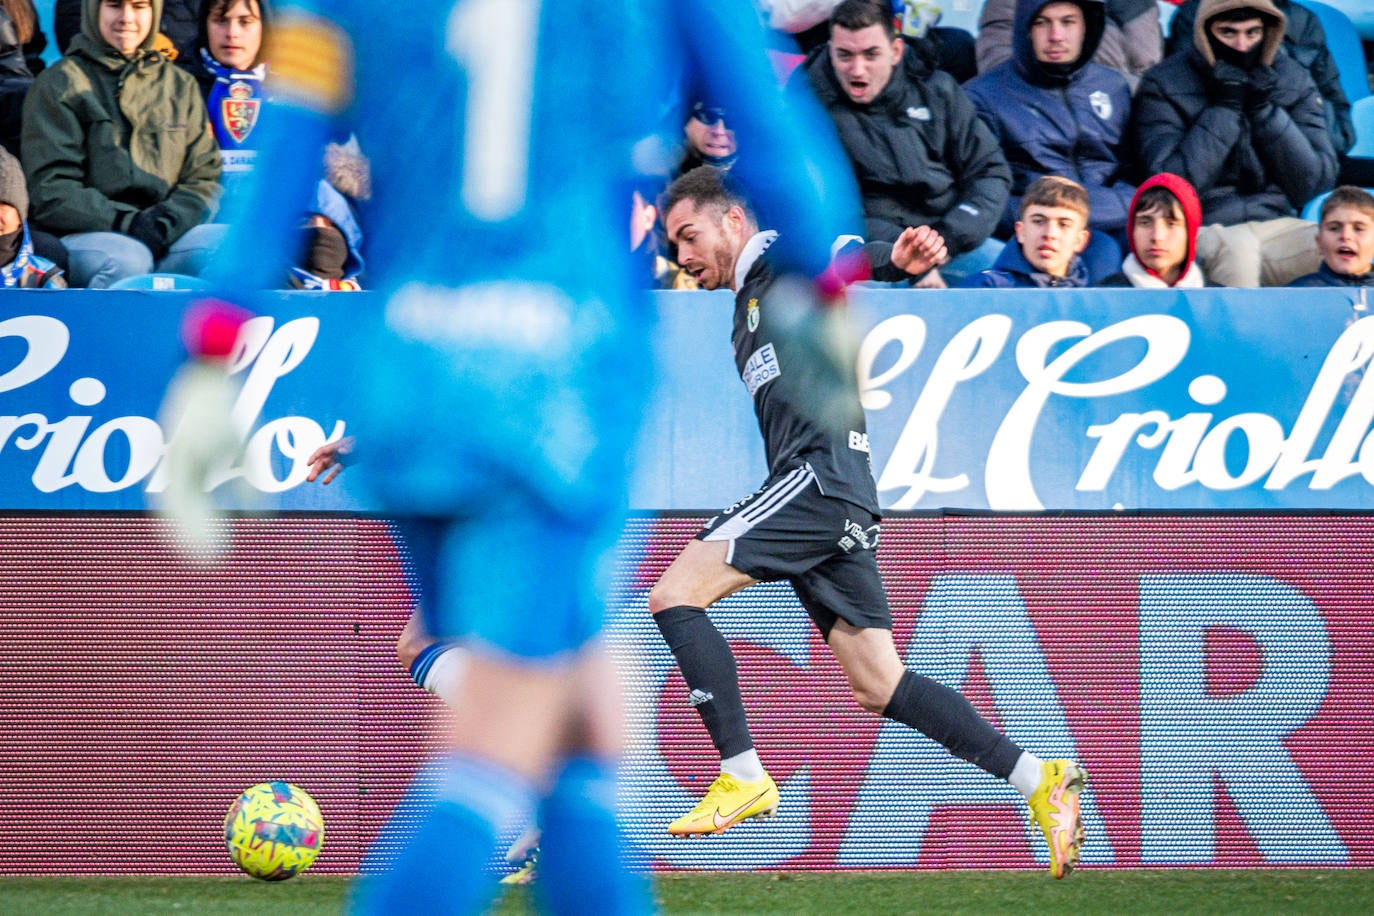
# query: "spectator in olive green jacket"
{"points": [[118, 150]]}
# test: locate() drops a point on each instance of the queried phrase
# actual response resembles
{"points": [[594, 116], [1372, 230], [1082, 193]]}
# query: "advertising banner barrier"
{"points": [[1022, 401], [1132, 527]]}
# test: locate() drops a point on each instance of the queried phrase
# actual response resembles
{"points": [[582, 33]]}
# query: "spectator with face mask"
{"points": [[20, 268], [1244, 124], [1305, 41]]}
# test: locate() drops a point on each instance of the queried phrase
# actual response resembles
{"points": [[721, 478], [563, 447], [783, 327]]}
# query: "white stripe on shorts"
{"points": [[770, 501]]}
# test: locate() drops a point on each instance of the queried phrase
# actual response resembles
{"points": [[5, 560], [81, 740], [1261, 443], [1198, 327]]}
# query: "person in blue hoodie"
{"points": [[1050, 235], [1057, 113], [1345, 238]]}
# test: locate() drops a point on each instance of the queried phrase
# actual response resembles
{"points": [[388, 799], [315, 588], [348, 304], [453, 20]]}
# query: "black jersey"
{"points": [[790, 435]]}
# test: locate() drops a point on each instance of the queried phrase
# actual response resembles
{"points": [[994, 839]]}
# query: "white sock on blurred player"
{"points": [[439, 670]]}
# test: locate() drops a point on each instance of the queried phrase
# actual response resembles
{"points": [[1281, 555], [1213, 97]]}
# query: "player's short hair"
{"points": [[1347, 195], [1055, 191], [704, 186], [853, 15], [1158, 198]]}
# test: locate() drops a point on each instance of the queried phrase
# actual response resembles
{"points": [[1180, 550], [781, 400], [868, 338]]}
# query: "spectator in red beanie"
{"points": [[1161, 232]]}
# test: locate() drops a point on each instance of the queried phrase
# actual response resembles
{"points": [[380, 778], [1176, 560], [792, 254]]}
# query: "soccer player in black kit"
{"points": [[814, 523]]}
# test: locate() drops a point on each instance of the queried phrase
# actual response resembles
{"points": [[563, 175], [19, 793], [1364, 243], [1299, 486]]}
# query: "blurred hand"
{"points": [[818, 347], [919, 249], [330, 459], [196, 415]]}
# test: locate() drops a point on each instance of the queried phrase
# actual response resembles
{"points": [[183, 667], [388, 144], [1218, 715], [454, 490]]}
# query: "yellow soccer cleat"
{"points": [[525, 874], [1054, 809], [727, 802]]}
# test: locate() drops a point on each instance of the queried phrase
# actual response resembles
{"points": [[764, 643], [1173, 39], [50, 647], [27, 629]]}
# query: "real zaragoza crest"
{"points": [[239, 111]]}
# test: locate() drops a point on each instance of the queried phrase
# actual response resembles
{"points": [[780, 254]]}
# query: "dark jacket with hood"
{"points": [[15, 80], [1325, 276], [1256, 159], [1011, 270], [106, 137], [1059, 120], [1305, 40], [920, 153]]}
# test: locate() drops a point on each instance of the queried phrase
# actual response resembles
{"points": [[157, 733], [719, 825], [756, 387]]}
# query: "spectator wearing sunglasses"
{"points": [[708, 140], [920, 153]]}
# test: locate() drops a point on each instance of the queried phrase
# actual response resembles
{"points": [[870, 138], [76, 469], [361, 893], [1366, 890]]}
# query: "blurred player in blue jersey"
{"points": [[504, 367]]}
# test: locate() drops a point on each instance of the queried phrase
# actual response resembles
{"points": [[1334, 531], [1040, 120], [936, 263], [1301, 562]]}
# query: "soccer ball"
{"points": [[274, 831]]}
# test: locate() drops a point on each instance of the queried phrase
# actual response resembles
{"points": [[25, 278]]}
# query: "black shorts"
{"points": [[824, 547]]}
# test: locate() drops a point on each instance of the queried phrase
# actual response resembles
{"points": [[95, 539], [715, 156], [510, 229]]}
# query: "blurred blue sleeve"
{"points": [[310, 86], [791, 161]]}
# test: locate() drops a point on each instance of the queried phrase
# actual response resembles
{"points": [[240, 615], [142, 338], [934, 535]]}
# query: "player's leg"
{"points": [[578, 814], [487, 787], [753, 540], [846, 600], [698, 578], [435, 665], [511, 709]]}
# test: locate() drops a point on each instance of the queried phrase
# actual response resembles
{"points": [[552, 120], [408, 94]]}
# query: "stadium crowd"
{"points": [[1067, 143]]}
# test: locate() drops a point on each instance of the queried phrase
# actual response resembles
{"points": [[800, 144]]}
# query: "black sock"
{"points": [[946, 715], [709, 669]]}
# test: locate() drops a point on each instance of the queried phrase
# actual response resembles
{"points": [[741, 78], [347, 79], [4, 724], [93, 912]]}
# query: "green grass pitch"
{"points": [[1171, 891]]}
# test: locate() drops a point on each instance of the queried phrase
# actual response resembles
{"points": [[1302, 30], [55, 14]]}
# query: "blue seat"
{"points": [[1166, 15], [1344, 43], [961, 14], [1360, 12], [1362, 114], [1313, 210], [160, 282]]}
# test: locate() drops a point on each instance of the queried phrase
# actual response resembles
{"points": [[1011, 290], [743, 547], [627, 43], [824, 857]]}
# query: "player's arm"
{"points": [[311, 65]]}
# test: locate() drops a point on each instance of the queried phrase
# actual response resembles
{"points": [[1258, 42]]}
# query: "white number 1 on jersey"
{"points": [[494, 41]]}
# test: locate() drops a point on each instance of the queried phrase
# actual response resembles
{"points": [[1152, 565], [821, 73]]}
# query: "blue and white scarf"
{"points": [[234, 105], [27, 270]]}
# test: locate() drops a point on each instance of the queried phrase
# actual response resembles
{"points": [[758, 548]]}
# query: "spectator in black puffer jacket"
{"points": [[1305, 40], [1243, 122], [15, 80], [920, 153]]}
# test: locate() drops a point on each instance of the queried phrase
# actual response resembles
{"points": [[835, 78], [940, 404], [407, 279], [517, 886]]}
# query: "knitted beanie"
{"points": [[14, 189]]}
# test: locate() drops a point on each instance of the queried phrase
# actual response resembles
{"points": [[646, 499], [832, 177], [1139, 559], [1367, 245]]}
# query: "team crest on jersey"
{"points": [[239, 111], [751, 315], [1101, 103]]}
